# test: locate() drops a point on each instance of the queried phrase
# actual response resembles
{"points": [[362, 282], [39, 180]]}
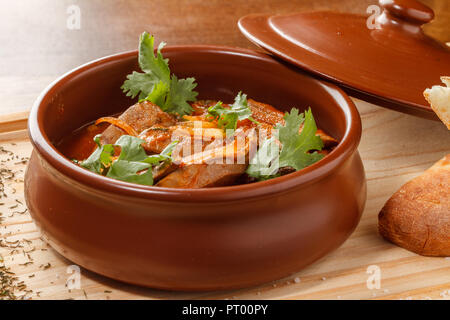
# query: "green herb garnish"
{"points": [[132, 164], [227, 118], [296, 148], [156, 84], [99, 159]]}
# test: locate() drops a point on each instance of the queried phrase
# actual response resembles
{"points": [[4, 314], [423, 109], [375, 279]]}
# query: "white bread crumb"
{"points": [[439, 99]]}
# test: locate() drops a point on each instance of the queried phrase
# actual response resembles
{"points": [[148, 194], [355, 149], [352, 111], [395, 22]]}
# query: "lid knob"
{"points": [[411, 11]]}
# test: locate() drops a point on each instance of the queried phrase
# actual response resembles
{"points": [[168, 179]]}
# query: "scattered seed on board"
{"points": [[10, 286]]}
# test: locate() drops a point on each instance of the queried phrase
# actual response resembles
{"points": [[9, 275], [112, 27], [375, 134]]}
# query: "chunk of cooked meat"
{"points": [[231, 149], [156, 139], [210, 168], [163, 169], [203, 176], [140, 116], [263, 112]]}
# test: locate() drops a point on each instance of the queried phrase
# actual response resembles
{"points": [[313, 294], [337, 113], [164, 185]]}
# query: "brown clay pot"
{"points": [[187, 239]]}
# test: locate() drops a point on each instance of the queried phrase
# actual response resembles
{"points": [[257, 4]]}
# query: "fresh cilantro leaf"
{"points": [[141, 84], [157, 66], [158, 94], [180, 92], [227, 118], [129, 171], [265, 164], [240, 107], [156, 84], [100, 158], [132, 164], [296, 148], [131, 148]]}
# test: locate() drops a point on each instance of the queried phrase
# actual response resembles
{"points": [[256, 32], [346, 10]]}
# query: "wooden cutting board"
{"points": [[395, 148]]}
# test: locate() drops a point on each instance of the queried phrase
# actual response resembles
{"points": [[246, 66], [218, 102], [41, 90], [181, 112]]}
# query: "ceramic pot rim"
{"points": [[318, 170]]}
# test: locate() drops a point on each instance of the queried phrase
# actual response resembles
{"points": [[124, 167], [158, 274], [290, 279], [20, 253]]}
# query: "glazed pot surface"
{"points": [[204, 239]]}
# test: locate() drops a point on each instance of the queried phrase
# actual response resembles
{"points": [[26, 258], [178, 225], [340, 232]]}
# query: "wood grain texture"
{"points": [[13, 122], [37, 46], [395, 148]]}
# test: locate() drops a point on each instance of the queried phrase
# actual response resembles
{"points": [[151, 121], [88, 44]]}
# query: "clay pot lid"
{"points": [[387, 60]]}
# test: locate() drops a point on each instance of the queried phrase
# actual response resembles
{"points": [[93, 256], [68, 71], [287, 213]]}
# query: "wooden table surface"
{"points": [[37, 47]]}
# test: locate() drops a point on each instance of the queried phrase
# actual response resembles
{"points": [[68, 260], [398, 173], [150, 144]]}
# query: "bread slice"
{"points": [[439, 99], [417, 216]]}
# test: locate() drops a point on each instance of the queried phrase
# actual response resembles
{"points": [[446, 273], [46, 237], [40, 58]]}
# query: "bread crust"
{"points": [[417, 216], [439, 99]]}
